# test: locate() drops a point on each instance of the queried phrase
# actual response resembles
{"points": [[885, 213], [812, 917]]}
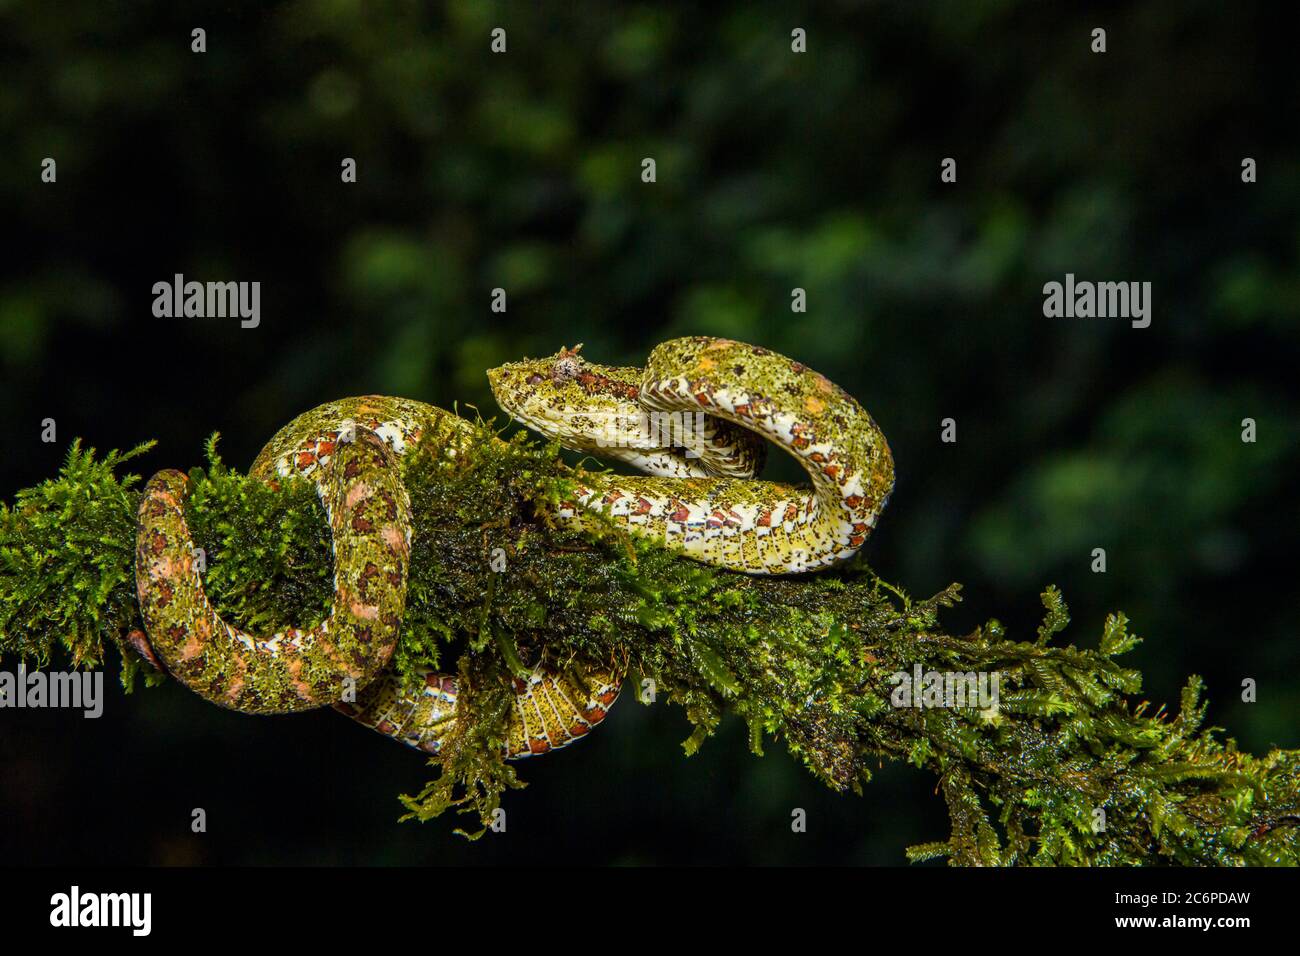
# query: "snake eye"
{"points": [[535, 379]]}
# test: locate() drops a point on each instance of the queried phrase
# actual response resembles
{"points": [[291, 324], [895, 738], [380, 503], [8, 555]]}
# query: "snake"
{"points": [[695, 421]]}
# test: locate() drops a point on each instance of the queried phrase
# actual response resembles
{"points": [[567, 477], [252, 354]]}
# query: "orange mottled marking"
{"points": [[364, 612], [192, 648], [358, 492], [394, 538]]}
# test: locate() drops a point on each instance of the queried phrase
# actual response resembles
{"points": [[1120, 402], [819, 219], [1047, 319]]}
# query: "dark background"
{"points": [[775, 170]]}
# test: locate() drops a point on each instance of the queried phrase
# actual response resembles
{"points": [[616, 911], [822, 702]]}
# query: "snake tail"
{"points": [[549, 710]]}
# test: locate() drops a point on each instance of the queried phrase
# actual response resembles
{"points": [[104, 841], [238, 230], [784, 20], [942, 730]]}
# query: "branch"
{"points": [[1065, 767]]}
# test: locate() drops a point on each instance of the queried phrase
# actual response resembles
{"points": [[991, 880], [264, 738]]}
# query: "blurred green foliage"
{"points": [[775, 170]]}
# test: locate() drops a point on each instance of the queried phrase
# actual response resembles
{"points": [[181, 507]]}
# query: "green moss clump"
{"points": [[267, 548], [1066, 770], [67, 562]]}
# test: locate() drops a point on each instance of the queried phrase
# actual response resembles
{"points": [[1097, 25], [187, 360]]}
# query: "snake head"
{"points": [[581, 404], [597, 409]]}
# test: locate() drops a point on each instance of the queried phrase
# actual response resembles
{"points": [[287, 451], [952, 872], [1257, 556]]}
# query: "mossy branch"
{"points": [[1068, 768]]}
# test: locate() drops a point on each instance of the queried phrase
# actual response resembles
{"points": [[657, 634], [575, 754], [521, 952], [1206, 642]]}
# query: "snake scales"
{"points": [[694, 420]]}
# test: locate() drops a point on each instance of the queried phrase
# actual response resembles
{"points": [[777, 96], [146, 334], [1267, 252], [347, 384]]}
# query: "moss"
{"points": [[806, 661], [67, 562]]}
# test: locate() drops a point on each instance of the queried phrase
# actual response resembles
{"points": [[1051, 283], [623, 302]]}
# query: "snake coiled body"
{"points": [[699, 497]]}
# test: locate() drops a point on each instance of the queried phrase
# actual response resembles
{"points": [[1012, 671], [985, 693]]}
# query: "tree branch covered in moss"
{"points": [[1069, 768]]}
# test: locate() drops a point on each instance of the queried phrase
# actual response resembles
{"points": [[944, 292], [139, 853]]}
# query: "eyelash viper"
{"points": [[693, 419]]}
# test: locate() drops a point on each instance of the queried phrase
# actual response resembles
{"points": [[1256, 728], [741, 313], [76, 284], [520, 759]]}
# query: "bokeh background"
{"points": [[775, 171]]}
